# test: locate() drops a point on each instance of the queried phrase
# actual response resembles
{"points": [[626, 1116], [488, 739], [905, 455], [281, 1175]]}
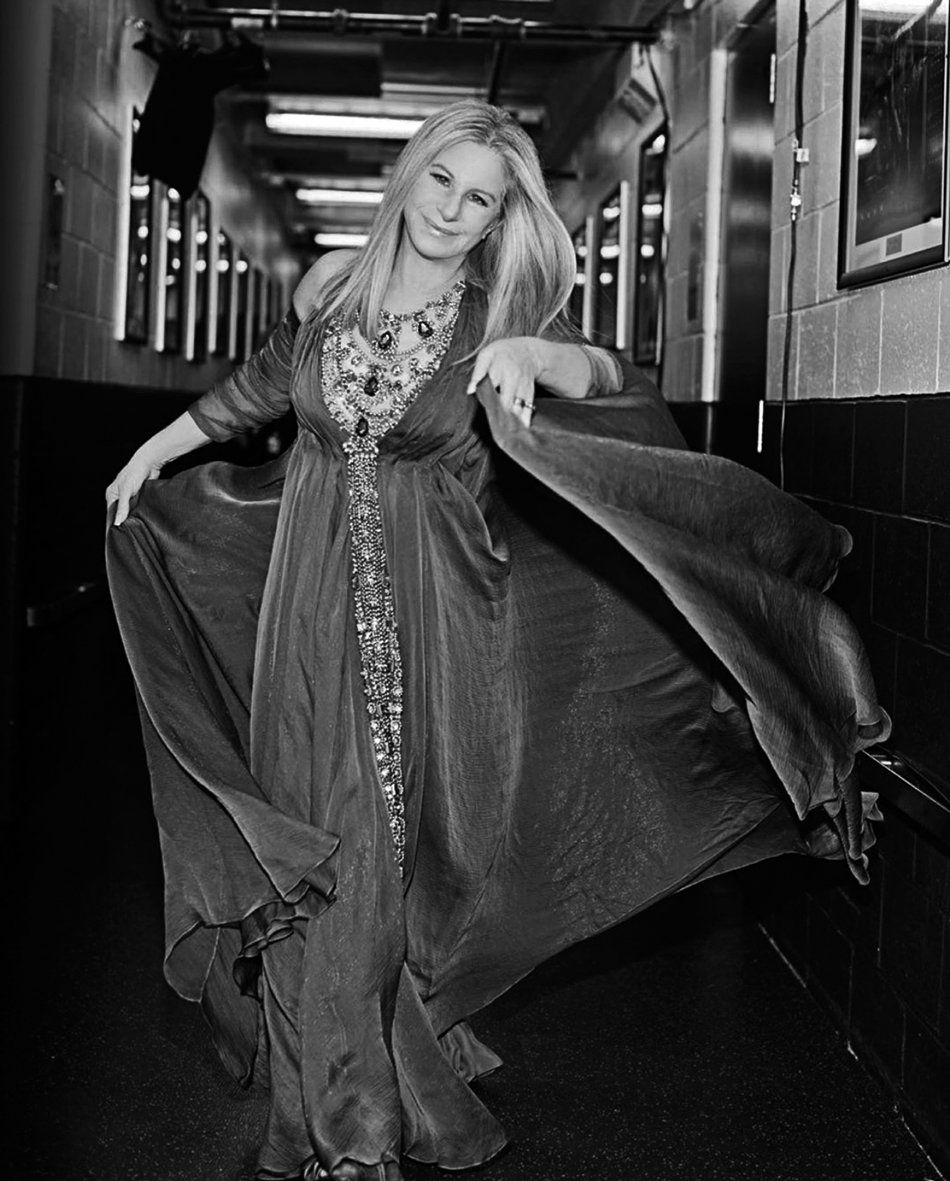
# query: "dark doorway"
{"points": [[747, 211]]}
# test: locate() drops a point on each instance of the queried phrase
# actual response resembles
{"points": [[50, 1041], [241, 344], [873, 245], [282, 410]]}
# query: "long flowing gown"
{"points": [[620, 676]]}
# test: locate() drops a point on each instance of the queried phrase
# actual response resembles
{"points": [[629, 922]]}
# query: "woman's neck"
{"points": [[415, 280]]}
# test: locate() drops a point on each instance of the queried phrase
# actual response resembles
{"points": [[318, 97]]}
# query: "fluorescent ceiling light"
{"points": [[339, 196], [347, 126], [331, 240]]}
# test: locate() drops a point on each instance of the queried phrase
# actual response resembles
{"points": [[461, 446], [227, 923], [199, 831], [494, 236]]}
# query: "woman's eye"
{"points": [[481, 200], [443, 180]]}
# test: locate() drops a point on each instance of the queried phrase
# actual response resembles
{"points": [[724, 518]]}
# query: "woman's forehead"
{"points": [[474, 165]]}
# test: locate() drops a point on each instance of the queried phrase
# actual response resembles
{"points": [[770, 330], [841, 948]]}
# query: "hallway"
{"points": [[678, 1046]]}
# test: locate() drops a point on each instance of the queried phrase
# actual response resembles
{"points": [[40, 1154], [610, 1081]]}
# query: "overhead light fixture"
{"points": [[339, 196], [341, 126], [333, 240]]}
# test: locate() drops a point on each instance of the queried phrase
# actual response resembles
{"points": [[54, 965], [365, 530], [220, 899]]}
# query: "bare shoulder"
{"points": [[310, 286]]}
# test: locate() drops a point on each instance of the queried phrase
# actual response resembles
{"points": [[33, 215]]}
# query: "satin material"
{"points": [[620, 677]]}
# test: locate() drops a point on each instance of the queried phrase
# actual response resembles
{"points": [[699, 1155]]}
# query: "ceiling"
{"points": [[541, 59]]}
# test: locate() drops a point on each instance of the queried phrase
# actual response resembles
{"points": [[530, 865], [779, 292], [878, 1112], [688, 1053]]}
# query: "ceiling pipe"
{"points": [[180, 14]]}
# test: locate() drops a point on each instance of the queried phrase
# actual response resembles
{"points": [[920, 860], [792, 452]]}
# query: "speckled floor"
{"points": [[678, 1046]]}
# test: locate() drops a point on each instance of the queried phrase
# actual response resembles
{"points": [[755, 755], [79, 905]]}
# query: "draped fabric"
{"points": [[620, 676]]}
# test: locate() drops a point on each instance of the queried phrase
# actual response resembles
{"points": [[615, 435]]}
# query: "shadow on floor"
{"points": [[677, 1046]]}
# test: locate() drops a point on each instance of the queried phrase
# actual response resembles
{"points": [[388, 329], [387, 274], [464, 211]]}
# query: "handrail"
{"points": [[901, 785]]}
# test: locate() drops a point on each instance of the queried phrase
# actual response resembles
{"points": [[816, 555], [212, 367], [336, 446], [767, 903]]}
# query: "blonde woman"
{"points": [[458, 680]]}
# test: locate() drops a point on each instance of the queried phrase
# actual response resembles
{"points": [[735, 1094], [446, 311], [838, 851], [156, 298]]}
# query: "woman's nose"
{"points": [[450, 206]]}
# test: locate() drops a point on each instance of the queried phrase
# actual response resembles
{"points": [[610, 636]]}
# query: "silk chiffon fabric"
{"points": [[620, 677]]}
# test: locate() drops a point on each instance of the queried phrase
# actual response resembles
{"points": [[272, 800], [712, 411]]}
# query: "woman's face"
{"points": [[455, 201]]}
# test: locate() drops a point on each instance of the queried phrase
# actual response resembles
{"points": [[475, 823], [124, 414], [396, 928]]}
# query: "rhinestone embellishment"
{"points": [[366, 415]]}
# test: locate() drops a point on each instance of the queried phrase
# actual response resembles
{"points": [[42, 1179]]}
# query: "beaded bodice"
{"points": [[367, 386], [376, 380]]}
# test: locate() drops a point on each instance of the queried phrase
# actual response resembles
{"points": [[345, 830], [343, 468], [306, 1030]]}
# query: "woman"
{"points": [[413, 722]]}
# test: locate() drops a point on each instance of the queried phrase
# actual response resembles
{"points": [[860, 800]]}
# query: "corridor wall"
{"points": [[96, 77], [866, 442]]}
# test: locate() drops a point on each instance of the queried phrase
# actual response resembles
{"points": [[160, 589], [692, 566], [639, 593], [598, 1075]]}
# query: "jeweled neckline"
{"points": [[415, 313]]}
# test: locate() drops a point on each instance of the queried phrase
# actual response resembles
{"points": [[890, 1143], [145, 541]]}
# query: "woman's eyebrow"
{"points": [[445, 168]]}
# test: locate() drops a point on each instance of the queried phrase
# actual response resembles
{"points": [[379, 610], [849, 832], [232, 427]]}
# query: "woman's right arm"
{"points": [[178, 438], [255, 393]]}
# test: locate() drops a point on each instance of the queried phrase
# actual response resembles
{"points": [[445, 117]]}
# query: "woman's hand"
{"points": [[127, 483], [512, 366]]}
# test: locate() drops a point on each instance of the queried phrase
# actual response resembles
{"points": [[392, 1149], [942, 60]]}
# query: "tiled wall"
{"points": [[878, 957], [95, 77]]}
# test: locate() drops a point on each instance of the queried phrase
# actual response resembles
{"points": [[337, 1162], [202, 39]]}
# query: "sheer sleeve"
{"points": [[606, 373], [256, 392]]}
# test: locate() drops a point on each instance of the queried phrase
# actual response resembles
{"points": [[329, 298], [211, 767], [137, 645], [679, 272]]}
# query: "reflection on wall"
{"points": [[900, 149]]}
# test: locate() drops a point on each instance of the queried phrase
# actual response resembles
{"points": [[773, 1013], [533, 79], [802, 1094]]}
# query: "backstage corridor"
{"points": [[721, 192]]}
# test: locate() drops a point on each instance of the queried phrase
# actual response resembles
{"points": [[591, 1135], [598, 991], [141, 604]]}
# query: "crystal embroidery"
{"points": [[367, 397]]}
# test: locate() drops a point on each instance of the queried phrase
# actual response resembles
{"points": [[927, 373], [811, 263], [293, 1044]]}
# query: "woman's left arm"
{"points": [[566, 370]]}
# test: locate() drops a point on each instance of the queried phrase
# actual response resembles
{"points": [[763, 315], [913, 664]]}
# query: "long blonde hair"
{"points": [[525, 266]]}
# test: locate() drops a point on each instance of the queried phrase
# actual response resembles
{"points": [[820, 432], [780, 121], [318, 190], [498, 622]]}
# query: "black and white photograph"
{"points": [[476, 590]]}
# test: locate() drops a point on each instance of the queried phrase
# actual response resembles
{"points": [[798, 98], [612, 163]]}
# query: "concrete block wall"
{"points": [[96, 77], [889, 338]]}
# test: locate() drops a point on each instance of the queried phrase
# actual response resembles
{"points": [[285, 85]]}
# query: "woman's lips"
{"points": [[438, 231]]}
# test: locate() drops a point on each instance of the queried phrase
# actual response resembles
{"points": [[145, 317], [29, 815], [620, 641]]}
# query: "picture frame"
{"points": [[222, 301], [893, 210], [576, 302], [134, 280], [171, 271], [612, 270], [198, 294], [650, 262]]}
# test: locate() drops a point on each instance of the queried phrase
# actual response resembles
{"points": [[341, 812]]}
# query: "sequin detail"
{"points": [[366, 415]]}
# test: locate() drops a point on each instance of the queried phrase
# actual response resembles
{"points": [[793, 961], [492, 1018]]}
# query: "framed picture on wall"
{"points": [[894, 142], [242, 306], [611, 270], [199, 278], [172, 275], [648, 285], [134, 256], [576, 302], [223, 296]]}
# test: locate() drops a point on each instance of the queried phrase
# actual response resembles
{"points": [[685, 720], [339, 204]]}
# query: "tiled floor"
{"points": [[676, 1047]]}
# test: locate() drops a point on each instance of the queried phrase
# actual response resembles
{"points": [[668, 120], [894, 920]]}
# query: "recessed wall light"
{"points": [[346, 126]]}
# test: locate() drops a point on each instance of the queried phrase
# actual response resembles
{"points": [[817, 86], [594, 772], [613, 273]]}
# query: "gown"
{"points": [[619, 676]]}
